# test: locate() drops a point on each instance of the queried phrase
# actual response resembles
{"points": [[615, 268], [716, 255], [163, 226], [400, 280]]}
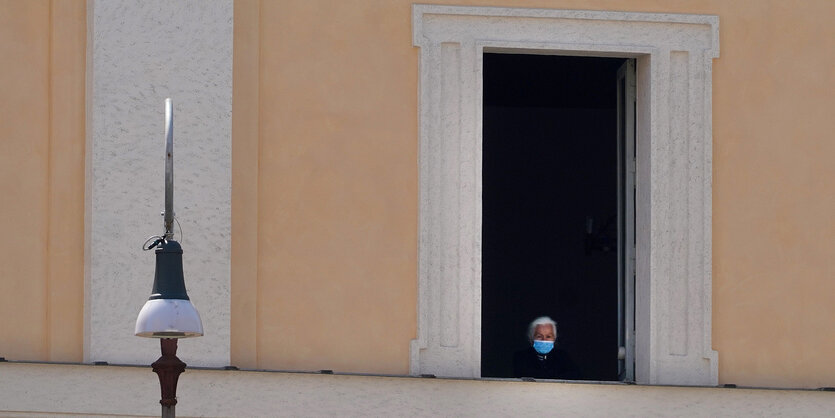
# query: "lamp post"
{"points": [[168, 314]]}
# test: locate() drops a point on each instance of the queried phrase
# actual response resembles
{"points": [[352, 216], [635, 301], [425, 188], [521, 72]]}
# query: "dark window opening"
{"points": [[550, 208]]}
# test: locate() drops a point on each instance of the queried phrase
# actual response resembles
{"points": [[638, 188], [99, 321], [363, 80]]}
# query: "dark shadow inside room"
{"points": [[550, 208]]}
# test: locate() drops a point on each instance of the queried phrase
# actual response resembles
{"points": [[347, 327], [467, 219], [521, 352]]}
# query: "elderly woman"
{"points": [[541, 360]]}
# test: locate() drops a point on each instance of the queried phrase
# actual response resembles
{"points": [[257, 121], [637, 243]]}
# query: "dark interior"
{"points": [[550, 208]]}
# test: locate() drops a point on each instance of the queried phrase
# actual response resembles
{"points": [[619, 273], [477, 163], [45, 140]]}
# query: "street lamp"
{"points": [[168, 314]]}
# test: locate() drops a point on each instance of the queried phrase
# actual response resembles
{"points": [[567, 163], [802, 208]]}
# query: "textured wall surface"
{"points": [[143, 52], [216, 393]]}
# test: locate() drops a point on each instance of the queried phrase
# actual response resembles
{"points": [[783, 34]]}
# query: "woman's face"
{"points": [[544, 332]]}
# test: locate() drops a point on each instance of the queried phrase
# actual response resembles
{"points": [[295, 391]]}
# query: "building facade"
{"points": [[329, 177]]}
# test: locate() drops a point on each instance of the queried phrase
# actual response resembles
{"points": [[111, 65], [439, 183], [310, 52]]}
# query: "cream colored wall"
{"points": [[325, 185], [42, 145]]}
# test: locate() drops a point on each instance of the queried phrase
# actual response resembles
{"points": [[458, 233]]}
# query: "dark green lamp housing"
{"points": [[168, 313]]}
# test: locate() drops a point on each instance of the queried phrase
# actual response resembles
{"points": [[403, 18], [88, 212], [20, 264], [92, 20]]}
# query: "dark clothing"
{"points": [[554, 365]]}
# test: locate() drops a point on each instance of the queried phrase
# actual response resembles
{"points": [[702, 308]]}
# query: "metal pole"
{"points": [[168, 412], [168, 367], [169, 169]]}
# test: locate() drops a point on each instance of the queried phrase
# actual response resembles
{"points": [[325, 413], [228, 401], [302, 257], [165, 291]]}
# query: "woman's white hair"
{"points": [[542, 320]]}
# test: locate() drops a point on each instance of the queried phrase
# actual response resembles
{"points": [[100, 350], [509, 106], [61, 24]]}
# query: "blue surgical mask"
{"points": [[543, 347]]}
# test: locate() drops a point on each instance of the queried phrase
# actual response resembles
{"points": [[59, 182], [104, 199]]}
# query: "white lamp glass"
{"points": [[168, 318]]}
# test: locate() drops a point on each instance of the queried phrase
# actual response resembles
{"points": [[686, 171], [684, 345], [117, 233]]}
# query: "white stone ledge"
{"points": [[59, 389]]}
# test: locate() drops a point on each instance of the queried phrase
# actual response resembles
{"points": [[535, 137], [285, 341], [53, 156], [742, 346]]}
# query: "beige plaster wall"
{"points": [[334, 146], [325, 185], [42, 143], [774, 194]]}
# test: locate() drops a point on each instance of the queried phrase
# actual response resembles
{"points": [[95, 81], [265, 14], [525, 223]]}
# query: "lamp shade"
{"points": [[168, 313]]}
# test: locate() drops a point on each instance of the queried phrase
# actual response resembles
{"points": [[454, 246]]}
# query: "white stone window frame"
{"points": [[674, 54]]}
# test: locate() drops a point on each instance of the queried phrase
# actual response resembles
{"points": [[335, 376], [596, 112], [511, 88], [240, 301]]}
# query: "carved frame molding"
{"points": [[674, 55]]}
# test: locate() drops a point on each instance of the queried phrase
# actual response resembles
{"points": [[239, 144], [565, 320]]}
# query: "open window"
{"points": [[672, 173], [558, 209]]}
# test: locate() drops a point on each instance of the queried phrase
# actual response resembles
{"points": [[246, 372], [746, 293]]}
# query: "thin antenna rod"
{"points": [[169, 169]]}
